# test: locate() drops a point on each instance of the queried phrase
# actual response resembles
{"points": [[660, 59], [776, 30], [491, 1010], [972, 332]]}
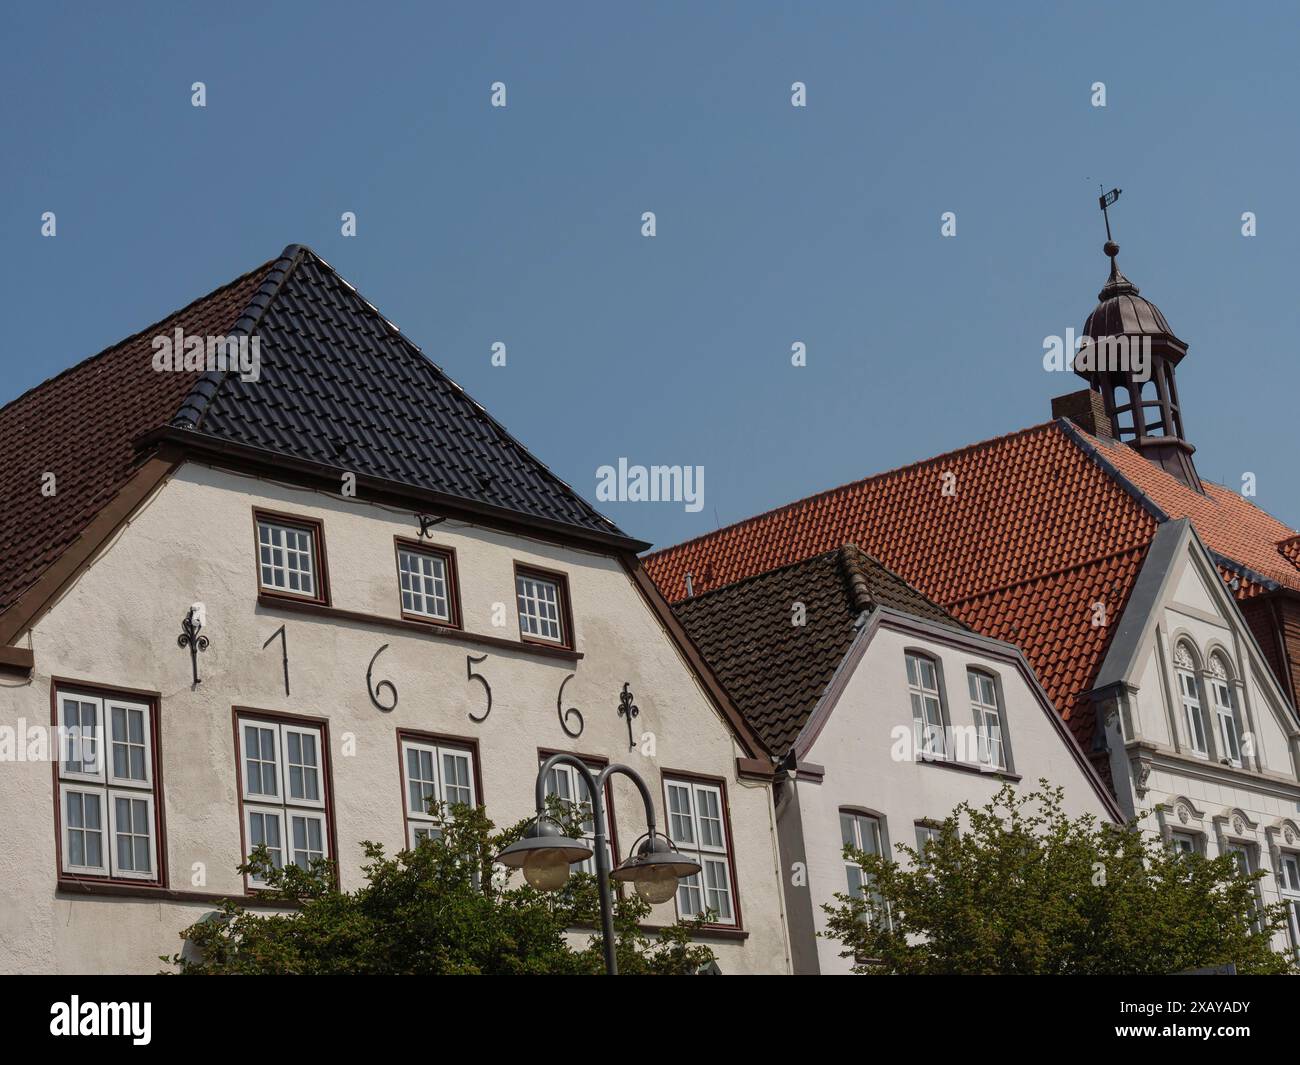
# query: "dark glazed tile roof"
{"points": [[774, 670], [339, 386], [342, 387]]}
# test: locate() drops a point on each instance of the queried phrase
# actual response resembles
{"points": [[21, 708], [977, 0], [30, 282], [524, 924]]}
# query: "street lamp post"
{"points": [[545, 852]]}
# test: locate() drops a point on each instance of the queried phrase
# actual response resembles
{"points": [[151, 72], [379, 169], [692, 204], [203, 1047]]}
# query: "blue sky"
{"points": [[774, 224]]}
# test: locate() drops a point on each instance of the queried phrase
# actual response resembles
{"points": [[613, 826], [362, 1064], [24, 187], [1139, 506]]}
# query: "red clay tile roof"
{"points": [[1034, 531], [1230, 524], [80, 426], [775, 670]]}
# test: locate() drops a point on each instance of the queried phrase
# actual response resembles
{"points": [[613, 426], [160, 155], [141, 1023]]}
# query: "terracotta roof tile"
{"points": [[1031, 531]]}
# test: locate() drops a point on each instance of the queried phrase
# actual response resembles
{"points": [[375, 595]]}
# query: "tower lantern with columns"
{"points": [[1130, 357]]}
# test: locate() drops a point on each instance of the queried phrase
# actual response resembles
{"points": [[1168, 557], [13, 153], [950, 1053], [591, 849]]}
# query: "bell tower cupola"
{"points": [[1130, 356]]}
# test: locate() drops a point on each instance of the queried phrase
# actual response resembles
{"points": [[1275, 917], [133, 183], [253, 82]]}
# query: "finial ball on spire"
{"points": [[1110, 248]]}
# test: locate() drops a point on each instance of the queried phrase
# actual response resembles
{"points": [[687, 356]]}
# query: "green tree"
{"points": [[1017, 887], [439, 909]]}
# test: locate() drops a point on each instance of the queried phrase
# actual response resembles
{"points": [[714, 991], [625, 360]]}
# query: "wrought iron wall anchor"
{"points": [[427, 522], [627, 709], [190, 637]]}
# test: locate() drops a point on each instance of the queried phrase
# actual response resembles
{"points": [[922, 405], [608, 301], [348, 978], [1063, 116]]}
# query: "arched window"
{"points": [[927, 703], [1189, 691], [1227, 723], [988, 718]]}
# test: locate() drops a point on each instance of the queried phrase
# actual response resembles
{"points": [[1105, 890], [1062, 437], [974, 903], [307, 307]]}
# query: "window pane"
{"points": [[710, 814], [679, 814], [423, 580], [81, 743], [539, 607], [455, 778], [717, 889], [285, 557]]}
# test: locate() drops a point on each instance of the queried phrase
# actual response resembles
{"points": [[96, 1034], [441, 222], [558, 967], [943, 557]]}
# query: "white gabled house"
{"points": [[883, 713], [399, 602], [1202, 740]]}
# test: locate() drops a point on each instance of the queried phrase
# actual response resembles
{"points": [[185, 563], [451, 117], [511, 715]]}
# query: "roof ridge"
{"points": [[895, 471], [152, 327], [855, 553], [818, 556], [195, 405], [854, 574]]}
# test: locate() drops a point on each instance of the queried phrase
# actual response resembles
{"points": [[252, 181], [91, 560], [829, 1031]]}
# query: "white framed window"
{"points": [[927, 704], [302, 766], [926, 833], [567, 784], [84, 829], [1288, 882], [426, 576], [1186, 842], [130, 819], [863, 832], [287, 557], [130, 746], [107, 810], [282, 772], [1193, 715], [988, 718], [541, 601], [1225, 715], [434, 772], [81, 719], [697, 828]]}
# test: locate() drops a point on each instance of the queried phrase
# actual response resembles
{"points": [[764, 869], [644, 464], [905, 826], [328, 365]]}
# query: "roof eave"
{"points": [[224, 452]]}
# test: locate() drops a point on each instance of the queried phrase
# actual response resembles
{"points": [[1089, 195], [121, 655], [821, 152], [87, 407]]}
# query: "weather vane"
{"points": [[1105, 200]]}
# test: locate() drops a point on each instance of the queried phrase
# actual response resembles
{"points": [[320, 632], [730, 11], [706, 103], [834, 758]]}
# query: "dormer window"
{"points": [[290, 557]]}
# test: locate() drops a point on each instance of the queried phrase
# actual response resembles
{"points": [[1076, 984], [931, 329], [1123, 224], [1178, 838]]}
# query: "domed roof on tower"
{"points": [[1122, 311], [1129, 356]]}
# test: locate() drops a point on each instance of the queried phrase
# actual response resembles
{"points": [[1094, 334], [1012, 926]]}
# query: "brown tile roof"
{"points": [[775, 670], [80, 426], [1035, 529]]}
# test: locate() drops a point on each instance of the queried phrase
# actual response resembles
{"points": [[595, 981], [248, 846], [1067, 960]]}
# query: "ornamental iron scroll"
{"points": [[284, 652], [564, 714], [626, 708], [470, 662], [373, 690], [190, 637]]}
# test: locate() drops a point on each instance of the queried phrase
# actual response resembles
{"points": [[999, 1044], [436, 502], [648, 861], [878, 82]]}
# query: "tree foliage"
{"points": [[439, 909], [1017, 887]]}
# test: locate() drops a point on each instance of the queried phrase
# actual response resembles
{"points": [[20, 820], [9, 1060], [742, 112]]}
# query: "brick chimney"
{"points": [[1086, 409]]}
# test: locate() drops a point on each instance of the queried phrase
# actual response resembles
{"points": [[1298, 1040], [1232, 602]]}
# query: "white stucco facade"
{"points": [[1204, 745], [847, 760], [116, 626]]}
